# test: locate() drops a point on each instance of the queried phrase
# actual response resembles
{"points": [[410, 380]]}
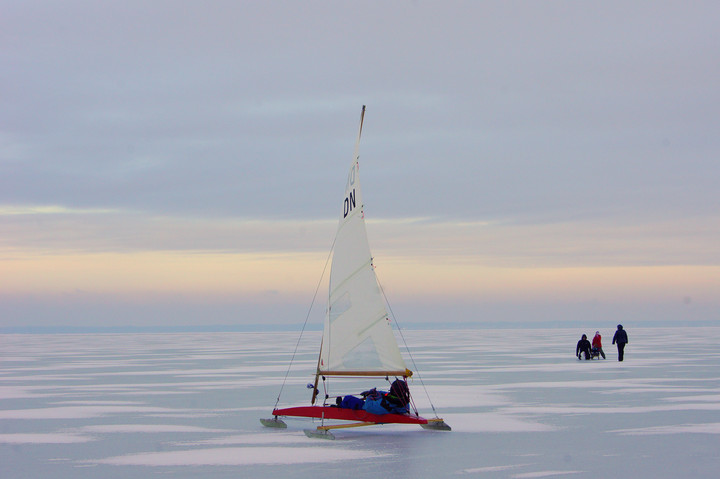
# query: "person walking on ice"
{"points": [[621, 339]]}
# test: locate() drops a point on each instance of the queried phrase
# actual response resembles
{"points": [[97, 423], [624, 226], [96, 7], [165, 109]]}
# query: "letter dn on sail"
{"points": [[349, 203]]}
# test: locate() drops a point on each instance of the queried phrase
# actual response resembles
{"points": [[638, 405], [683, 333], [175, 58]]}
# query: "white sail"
{"points": [[357, 338]]}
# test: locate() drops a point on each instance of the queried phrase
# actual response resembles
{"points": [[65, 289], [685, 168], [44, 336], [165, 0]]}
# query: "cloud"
{"points": [[9, 210], [571, 137]]}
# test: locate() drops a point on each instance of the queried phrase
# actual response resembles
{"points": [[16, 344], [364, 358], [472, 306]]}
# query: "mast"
{"points": [[358, 339], [356, 156]]}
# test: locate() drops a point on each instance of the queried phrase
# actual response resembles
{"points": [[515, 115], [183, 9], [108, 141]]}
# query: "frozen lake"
{"points": [[520, 404]]}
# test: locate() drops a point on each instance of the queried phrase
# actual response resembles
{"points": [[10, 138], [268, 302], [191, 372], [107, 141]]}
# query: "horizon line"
{"points": [[290, 327]]}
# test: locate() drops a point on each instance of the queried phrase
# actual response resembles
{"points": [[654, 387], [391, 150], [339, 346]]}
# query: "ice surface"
{"points": [[187, 405], [237, 456], [43, 438], [526, 475]]}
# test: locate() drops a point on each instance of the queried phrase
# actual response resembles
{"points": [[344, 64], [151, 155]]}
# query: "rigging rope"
{"points": [[412, 359], [312, 303]]}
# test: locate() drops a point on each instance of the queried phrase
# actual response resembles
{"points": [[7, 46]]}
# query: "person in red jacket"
{"points": [[597, 345]]}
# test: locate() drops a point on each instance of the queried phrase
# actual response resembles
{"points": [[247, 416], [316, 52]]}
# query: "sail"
{"points": [[357, 338]]}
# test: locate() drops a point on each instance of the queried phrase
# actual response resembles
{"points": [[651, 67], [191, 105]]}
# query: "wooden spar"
{"points": [[317, 375], [323, 432], [406, 373], [343, 426]]}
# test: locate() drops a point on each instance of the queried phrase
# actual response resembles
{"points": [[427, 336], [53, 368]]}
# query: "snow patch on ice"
{"points": [[700, 398], [708, 428], [475, 470], [254, 438], [493, 422], [462, 396], [238, 456], [77, 412], [98, 403], [21, 392], [147, 428], [573, 409], [526, 475], [43, 438]]}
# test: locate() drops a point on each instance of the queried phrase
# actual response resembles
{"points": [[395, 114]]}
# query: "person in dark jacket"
{"points": [[621, 339], [583, 346]]}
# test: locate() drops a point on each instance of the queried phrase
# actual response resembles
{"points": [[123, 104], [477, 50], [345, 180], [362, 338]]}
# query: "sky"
{"points": [[181, 163]]}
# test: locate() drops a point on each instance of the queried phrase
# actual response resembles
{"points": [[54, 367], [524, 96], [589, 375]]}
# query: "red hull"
{"points": [[328, 412]]}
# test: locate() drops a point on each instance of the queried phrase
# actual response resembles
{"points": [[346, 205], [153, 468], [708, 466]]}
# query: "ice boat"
{"points": [[358, 339]]}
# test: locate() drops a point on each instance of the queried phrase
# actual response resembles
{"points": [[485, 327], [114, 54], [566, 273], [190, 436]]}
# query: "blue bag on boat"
{"points": [[351, 402], [374, 406], [396, 409]]}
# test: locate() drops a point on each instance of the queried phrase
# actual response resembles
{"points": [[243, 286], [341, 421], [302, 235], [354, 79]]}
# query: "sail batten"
{"points": [[378, 318], [339, 286]]}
